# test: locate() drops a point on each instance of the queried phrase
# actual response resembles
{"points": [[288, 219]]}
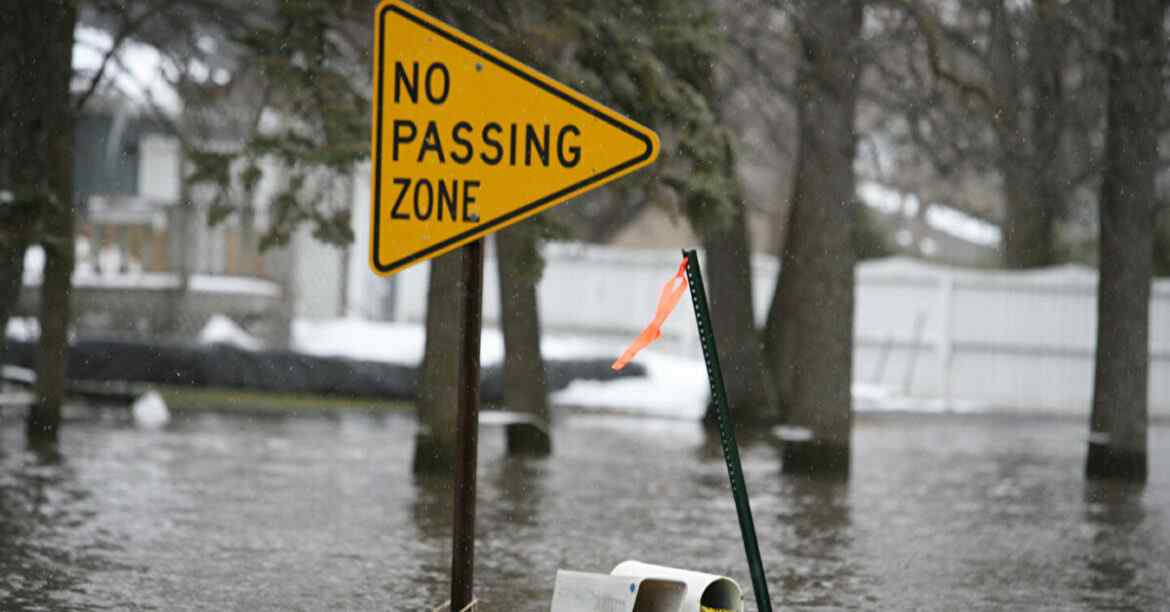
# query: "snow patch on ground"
{"points": [[402, 343], [674, 386], [150, 411]]}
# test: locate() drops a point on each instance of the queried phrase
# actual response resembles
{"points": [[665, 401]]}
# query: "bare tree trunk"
{"points": [[1028, 221], [1028, 159], [518, 265], [1117, 445], [525, 388], [809, 335], [1162, 241], [44, 418], [1047, 48], [438, 389], [40, 88], [34, 74], [750, 394]]}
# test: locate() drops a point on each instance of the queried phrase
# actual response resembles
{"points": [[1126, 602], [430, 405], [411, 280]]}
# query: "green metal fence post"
{"points": [[727, 440]]}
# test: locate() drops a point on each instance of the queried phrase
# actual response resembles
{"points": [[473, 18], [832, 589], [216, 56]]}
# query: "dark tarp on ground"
{"points": [[224, 366]]}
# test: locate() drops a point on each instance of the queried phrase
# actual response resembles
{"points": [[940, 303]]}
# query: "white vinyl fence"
{"points": [[1010, 340]]}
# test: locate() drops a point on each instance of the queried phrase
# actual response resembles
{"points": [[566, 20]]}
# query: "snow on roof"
{"points": [[938, 216]]}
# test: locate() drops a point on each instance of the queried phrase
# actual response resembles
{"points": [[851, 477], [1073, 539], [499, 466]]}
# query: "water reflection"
{"points": [[1116, 514], [520, 487], [512, 547], [518, 557], [41, 506], [432, 510], [309, 513], [817, 522]]}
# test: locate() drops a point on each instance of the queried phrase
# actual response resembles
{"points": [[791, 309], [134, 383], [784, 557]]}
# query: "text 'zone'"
{"points": [[442, 200]]}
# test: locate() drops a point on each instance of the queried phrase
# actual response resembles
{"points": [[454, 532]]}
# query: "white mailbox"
{"points": [[642, 587], [582, 592]]}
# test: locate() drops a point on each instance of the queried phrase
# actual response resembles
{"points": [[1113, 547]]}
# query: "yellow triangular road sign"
{"points": [[467, 140]]}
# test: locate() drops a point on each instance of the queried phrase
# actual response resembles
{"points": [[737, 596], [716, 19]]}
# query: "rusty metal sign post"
{"points": [[466, 141]]}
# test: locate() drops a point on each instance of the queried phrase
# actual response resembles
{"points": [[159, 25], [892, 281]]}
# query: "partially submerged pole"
{"points": [[467, 429], [727, 440], [492, 87]]}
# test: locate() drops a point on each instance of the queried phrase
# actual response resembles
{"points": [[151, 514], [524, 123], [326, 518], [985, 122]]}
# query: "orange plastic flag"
{"points": [[671, 294]]}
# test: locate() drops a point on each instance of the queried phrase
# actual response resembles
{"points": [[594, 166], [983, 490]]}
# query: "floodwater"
{"points": [[321, 513]]}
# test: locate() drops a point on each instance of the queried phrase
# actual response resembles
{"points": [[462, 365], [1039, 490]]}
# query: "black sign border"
{"points": [[386, 268]]}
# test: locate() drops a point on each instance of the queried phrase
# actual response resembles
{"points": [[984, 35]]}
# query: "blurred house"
{"points": [[148, 261], [932, 231], [125, 181], [150, 264]]}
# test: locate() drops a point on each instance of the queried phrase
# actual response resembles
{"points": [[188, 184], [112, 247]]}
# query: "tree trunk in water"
{"points": [[44, 417], [36, 47], [525, 388], [750, 393], [809, 334], [49, 37], [438, 390], [1117, 443]]}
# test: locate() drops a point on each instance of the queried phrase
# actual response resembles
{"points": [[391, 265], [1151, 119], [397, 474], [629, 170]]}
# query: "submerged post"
{"points": [[467, 438], [727, 440]]}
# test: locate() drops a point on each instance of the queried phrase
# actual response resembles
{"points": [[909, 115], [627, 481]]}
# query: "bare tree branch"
{"points": [[129, 27], [932, 33]]}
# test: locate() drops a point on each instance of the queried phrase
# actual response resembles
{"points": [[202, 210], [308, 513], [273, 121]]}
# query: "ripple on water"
{"points": [[225, 512]]}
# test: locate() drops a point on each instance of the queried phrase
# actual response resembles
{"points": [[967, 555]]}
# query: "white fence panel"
{"points": [[1014, 340]]}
